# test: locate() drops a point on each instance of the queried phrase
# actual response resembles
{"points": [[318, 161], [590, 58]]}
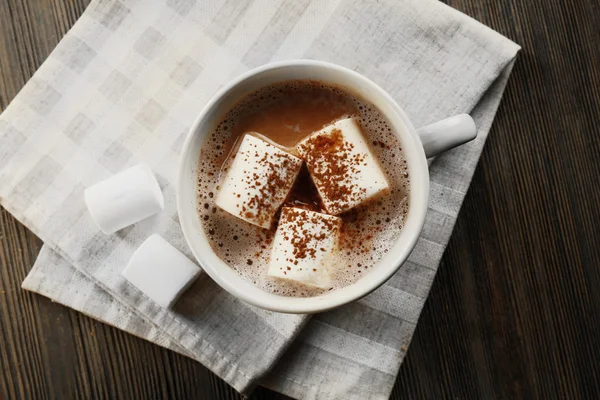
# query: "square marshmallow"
{"points": [[257, 182], [342, 166], [160, 271], [124, 199], [303, 247]]}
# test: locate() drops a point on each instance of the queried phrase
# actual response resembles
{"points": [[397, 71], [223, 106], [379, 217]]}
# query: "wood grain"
{"points": [[513, 311]]}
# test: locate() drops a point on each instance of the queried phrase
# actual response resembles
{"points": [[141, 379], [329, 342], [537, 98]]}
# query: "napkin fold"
{"points": [[123, 87]]}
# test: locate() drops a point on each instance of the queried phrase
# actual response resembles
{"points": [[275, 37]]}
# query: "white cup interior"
{"points": [[222, 102]]}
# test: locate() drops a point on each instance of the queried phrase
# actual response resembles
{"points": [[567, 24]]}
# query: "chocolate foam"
{"points": [[287, 113]]}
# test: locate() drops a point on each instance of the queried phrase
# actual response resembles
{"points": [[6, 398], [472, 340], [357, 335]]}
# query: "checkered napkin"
{"points": [[125, 84]]}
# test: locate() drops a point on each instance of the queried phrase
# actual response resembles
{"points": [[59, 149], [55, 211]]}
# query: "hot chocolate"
{"points": [[286, 114]]}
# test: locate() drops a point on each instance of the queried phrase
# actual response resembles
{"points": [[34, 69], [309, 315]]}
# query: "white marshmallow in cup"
{"points": [[124, 199]]}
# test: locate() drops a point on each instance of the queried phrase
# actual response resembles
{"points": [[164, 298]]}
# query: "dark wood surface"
{"points": [[515, 309]]}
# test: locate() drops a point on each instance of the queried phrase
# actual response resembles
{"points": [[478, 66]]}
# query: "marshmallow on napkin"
{"points": [[342, 166], [303, 247], [160, 271], [258, 180], [124, 199]]}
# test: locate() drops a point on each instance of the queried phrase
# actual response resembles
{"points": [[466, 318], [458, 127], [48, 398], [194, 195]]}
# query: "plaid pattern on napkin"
{"points": [[125, 84]]}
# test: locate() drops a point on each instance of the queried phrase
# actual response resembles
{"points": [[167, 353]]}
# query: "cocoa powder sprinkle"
{"points": [[271, 188], [306, 230], [333, 164]]}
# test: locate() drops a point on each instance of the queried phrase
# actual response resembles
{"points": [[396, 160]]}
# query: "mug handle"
{"points": [[447, 134]]}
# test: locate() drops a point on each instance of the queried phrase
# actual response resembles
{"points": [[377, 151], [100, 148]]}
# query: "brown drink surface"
{"points": [[287, 113]]}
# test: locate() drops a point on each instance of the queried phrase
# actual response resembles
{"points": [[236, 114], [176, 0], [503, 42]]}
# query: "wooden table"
{"points": [[515, 309]]}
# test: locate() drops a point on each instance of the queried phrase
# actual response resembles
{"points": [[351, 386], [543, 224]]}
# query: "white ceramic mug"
{"points": [[418, 145]]}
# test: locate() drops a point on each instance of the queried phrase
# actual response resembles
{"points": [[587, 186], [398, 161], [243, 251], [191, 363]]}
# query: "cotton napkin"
{"points": [[123, 87]]}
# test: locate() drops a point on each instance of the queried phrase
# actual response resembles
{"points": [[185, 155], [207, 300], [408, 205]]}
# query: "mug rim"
{"points": [[303, 305]]}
